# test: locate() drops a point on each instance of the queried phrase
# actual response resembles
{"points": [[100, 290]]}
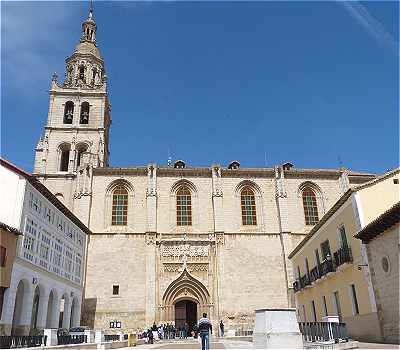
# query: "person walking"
{"points": [[222, 328], [185, 330], [205, 328]]}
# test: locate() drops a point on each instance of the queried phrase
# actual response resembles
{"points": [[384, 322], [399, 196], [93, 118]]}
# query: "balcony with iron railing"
{"points": [[326, 267], [305, 281], [314, 274], [342, 256], [319, 271]]}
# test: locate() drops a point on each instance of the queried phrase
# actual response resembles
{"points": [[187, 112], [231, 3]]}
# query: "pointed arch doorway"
{"points": [[184, 300], [185, 314]]}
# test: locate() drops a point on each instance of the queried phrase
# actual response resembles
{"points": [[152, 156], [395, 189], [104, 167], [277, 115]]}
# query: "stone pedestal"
{"points": [[231, 333], [51, 334], [99, 336], [90, 335], [276, 329]]}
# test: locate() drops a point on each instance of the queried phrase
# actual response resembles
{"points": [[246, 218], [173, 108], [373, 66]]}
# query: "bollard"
{"points": [[121, 336], [51, 334], [99, 336], [90, 335]]}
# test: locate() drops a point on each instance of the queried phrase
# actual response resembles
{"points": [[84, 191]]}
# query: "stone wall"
{"points": [[386, 284], [115, 260]]}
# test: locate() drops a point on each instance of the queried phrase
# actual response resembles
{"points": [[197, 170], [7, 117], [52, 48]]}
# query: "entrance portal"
{"points": [[185, 312]]}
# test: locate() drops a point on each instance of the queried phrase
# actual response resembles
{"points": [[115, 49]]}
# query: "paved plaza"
{"points": [[233, 344], [194, 344]]}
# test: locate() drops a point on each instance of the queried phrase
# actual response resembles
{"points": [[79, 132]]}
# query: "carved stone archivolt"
{"points": [[172, 267], [186, 285], [197, 267], [191, 267]]}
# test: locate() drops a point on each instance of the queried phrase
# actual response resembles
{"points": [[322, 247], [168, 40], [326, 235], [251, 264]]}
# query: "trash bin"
{"points": [[132, 339]]}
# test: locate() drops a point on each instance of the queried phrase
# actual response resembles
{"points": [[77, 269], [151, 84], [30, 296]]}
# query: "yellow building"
{"points": [[8, 246], [331, 266]]}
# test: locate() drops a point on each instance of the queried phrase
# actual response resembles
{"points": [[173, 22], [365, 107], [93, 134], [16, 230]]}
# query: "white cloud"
{"points": [[34, 37], [371, 24]]}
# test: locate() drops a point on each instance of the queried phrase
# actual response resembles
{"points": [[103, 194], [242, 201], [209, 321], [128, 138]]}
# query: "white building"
{"points": [[47, 277]]}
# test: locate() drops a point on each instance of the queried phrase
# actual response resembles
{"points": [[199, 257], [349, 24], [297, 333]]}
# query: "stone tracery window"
{"points": [[119, 215], [310, 206], [248, 205], [183, 207]]}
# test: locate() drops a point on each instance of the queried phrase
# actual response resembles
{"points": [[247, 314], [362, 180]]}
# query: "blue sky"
{"points": [[306, 82]]}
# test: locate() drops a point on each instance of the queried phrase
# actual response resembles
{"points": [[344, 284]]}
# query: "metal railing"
{"points": [[342, 255], [314, 274], [111, 337], [326, 267], [19, 341], [304, 281], [243, 333], [71, 339], [317, 272], [323, 331]]}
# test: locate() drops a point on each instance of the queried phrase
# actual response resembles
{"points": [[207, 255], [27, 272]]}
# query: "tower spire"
{"points": [[89, 27]]}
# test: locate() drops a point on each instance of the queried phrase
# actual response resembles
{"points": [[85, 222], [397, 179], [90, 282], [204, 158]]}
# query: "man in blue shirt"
{"points": [[205, 327]]}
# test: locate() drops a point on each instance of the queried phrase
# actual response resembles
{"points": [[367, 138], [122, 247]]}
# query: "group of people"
{"points": [[169, 331], [164, 331]]}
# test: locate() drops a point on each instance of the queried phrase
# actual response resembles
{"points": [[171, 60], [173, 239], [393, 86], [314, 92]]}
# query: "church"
{"points": [[172, 241]]}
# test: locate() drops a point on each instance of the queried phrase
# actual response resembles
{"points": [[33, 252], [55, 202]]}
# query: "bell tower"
{"points": [[76, 134]]}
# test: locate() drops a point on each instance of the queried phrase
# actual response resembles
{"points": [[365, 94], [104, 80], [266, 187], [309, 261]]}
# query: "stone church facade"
{"points": [[170, 242]]}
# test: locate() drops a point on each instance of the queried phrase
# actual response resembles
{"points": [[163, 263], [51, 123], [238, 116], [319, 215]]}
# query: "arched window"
{"points": [[119, 215], [64, 157], [82, 73], [79, 154], [248, 204], [94, 75], [84, 119], [310, 206], [183, 207], [68, 112]]}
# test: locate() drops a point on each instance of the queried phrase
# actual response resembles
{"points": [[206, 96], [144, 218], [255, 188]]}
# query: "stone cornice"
{"points": [[186, 172], [120, 171], [166, 237], [88, 55], [242, 172], [73, 91], [55, 175], [74, 128], [238, 173]]}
